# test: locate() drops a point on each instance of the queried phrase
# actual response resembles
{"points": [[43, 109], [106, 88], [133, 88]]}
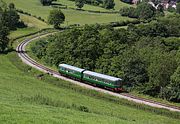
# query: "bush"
{"points": [[21, 24], [128, 11], [124, 23], [84, 109], [46, 2], [56, 17]]}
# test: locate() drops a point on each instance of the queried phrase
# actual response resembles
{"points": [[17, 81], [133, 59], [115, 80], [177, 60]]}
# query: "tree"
{"points": [[175, 86], [134, 68], [160, 70], [3, 30], [95, 2], [178, 8], [46, 2], [128, 11], [11, 19], [9, 16], [56, 17], [11, 6], [79, 3], [145, 10], [108, 4], [40, 48], [172, 91], [3, 37]]}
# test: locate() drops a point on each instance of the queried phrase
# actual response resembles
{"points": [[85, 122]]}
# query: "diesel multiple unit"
{"points": [[93, 78]]}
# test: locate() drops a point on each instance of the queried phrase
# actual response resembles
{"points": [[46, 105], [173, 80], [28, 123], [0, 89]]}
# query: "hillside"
{"points": [[33, 97], [72, 16], [24, 98]]}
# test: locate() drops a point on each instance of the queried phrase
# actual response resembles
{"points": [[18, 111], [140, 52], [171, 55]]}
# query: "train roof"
{"points": [[71, 67], [103, 76]]}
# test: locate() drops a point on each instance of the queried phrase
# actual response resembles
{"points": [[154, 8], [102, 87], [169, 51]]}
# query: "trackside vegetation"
{"points": [[147, 61]]}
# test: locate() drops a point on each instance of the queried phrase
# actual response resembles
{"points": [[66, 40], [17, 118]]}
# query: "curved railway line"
{"points": [[26, 59]]}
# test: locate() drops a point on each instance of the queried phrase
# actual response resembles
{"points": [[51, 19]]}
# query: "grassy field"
{"points": [[33, 22], [26, 99], [22, 32], [118, 5], [72, 16], [71, 4]]}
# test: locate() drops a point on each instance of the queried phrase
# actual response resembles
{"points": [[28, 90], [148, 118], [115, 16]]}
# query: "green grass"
{"points": [[33, 24], [155, 99], [119, 5], [26, 99], [72, 16], [22, 31], [82, 18], [71, 4]]}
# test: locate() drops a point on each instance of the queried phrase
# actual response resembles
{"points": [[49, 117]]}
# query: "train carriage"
{"points": [[71, 71], [105, 81], [102, 80]]}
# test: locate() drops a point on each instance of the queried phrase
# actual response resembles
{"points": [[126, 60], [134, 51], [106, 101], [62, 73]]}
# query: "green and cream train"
{"points": [[93, 78]]}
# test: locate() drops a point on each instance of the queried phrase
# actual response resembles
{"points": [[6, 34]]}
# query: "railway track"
{"points": [[26, 59]]}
